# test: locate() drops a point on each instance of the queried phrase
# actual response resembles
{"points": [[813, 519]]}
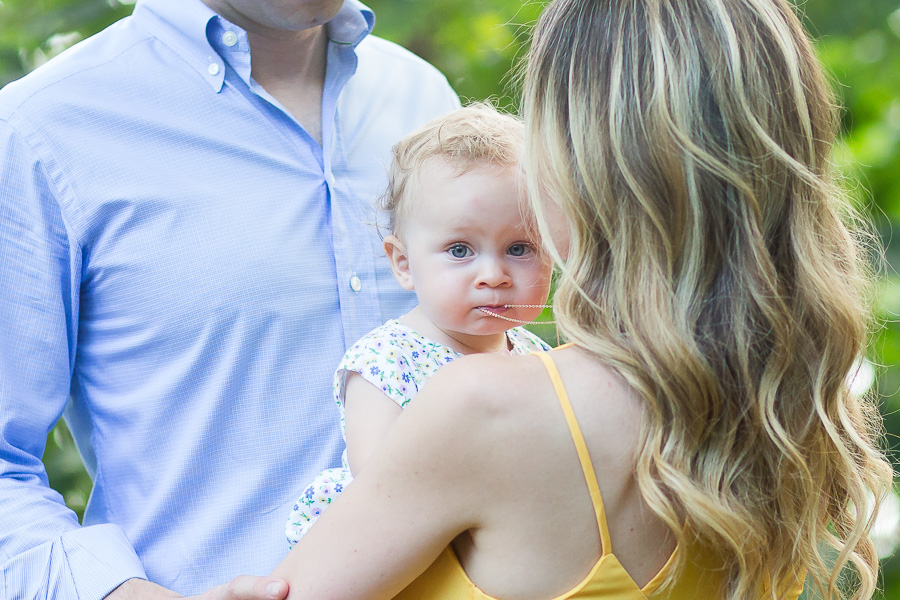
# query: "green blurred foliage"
{"points": [[477, 42], [474, 42], [30, 30]]}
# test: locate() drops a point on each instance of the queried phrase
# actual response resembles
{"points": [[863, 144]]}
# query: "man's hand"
{"points": [[243, 587]]}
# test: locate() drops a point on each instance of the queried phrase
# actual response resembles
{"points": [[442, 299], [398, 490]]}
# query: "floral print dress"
{"points": [[398, 360]]}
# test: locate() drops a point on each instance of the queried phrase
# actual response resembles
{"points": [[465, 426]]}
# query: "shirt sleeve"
{"points": [[315, 500], [525, 342], [380, 360], [44, 552]]}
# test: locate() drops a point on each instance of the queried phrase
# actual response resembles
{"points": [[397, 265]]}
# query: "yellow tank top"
{"points": [[445, 579]]}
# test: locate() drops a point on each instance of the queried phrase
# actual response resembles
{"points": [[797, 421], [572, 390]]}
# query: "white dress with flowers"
{"points": [[399, 361]]}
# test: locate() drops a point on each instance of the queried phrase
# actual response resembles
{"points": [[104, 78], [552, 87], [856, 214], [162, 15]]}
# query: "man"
{"points": [[185, 251]]}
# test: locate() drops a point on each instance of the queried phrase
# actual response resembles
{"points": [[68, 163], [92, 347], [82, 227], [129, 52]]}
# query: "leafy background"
{"points": [[476, 42]]}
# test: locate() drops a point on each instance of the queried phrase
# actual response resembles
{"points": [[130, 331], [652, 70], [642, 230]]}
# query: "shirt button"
{"points": [[355, 283], [229, 38], [213, 68]]}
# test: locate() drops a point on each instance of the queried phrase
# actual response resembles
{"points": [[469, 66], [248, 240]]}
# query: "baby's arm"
{"points": [[368, 416]]}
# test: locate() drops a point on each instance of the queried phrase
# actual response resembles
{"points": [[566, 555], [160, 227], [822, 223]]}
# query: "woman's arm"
{"points": [[423, 487]]}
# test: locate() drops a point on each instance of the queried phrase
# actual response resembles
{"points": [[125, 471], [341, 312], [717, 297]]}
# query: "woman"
{"points": [[714, 299]]}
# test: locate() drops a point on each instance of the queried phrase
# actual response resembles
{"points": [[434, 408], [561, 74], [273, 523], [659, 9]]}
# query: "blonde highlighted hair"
{"points": [[475, 135], [716, 264]]}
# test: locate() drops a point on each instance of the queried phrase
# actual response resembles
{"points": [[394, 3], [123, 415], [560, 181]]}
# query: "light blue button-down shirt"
{"points": [[181, 268]]}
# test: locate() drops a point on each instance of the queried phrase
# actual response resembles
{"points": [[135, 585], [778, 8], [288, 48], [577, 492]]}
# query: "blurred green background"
{"points": [[475, 43]]}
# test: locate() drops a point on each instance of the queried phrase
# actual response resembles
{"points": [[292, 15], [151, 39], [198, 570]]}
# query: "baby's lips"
{"points": [[494, 308]]}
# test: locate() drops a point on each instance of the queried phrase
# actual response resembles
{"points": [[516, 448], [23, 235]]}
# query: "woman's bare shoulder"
{"points": [[489, 383], [496, 381], [486, 394]]}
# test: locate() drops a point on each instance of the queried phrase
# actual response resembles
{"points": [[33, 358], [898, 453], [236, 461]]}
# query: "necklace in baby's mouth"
{"points": [[521, 322]]}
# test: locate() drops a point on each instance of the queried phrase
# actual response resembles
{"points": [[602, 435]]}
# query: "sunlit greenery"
{"points": [[476, 42]]}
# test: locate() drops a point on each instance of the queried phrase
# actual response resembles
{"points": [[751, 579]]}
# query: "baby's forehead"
{"points": [[462, 196], [440, 174]]}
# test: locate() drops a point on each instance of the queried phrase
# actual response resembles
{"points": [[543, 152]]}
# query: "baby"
{"points": [[459, 239]]}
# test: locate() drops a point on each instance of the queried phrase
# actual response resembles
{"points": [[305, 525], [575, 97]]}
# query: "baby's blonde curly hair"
{"points": [[475, 135]]}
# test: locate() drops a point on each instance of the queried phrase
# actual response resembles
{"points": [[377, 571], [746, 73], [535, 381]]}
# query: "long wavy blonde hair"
{"points": [[714, 261]]}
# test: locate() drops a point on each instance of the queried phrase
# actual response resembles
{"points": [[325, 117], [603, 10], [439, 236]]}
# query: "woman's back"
{"points": [[539, 535], [546, 522]]}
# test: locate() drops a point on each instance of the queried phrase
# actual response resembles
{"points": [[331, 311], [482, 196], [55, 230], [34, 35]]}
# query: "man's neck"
{"points": [[291, 67]]}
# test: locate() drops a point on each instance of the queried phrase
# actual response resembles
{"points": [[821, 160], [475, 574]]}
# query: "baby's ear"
{"points": [[396, 253]]}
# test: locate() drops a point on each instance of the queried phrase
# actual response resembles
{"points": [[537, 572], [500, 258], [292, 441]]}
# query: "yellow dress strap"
{"points": [[583, 456]]}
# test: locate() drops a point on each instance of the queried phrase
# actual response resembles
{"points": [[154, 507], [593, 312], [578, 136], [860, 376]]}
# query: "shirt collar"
{"points": [[185, 27], [353, 22]]}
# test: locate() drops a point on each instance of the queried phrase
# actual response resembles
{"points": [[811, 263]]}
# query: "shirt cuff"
{"points": [[100, 559], [83, 564]]}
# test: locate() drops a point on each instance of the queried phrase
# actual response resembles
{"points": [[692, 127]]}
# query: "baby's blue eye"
{"points": [[459, 251], [518, 250]]}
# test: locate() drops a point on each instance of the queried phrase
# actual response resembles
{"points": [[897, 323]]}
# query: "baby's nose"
{"points": [[493, 274]]}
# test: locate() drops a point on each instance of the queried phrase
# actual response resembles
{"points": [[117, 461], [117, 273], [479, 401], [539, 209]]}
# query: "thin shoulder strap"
{"points": [[583, 456]]}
